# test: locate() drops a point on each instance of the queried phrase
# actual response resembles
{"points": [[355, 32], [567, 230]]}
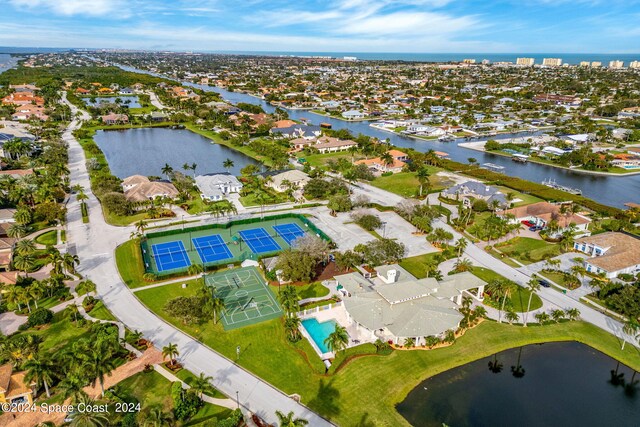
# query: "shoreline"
{"points": [[469, 146]]}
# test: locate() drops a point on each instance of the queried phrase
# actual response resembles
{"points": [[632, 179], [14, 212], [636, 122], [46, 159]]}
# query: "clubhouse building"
{"points": [[391, 304]]}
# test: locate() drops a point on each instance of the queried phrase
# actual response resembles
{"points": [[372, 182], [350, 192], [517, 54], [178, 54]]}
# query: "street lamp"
{"points": [[237, 400], [384, 229], [182, 220]]}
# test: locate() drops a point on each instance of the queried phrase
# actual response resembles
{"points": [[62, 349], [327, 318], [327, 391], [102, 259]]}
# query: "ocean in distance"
{"points": [[570, 58]]}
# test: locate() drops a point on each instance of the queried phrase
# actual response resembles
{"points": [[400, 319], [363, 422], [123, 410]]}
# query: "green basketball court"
{"points": [[247, 297]]}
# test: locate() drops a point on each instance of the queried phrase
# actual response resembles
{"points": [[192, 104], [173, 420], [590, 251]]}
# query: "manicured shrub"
{"points": [[40, 316]]}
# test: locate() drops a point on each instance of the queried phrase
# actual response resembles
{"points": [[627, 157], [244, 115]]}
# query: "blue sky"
{"points": [[580, 26]]}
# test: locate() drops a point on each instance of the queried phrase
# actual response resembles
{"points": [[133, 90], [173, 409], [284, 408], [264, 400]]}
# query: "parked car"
{"points": [[535, 228], [544, 283]]}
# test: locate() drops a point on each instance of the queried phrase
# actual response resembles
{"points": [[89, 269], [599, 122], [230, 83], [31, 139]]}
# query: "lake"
{"points": [[562, 384], [145, 151], [131, 101]]}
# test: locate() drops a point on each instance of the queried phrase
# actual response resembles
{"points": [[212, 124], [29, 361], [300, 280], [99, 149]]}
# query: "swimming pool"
{"points": [[319, 331]]}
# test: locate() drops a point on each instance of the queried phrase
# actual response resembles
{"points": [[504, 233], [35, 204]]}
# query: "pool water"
{"points": [[319, 331]]}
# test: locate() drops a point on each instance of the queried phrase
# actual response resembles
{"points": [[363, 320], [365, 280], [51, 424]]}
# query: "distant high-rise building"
{"points": [[468, 61], [350, 58], [616, 64], [552, 62], [486, 62], [596, 64], [585, 63], [634, 64], [528, 62]]}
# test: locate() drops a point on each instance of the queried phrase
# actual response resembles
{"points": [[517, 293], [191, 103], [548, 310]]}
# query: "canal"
{"points": [[610, 190], [554, 384], [145, 151]]}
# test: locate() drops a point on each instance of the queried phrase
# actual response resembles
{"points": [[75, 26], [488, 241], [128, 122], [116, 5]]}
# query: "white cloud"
{"points": [[74, 7]]}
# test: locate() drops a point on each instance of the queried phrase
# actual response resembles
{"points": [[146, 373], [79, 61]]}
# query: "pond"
{"points": [[145, 151], [558, 384], [130, 101]]}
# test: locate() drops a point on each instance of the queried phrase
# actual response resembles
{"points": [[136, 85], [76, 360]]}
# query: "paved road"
{"points": [[95, 243]]}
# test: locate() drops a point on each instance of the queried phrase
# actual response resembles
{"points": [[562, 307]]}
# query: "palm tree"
{"points": [[25, 247], [557, 315], [39, 370], [542, 317], [462, 265], [338, 339], [461, 245], [423, 178], [89, 418], [99, 364], [534, 286], [156, 417], [141, 226], [16, 231], [511, 316], [292, 328], [387, 159], [72, 387], [500, 289], [630, 327], [69, 262], [72, 311], [201, 384], [289, 420], [170, 351], [13, 295], [167, 170], [24, 262], [193, 168], [228, 164], [572, 313], [216, 306]]}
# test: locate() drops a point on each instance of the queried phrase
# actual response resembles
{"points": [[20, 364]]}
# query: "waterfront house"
{"points": [[542, 213], [611, 253], [472, 190], [298, 131], [215, 186], [158, 116], [113, 119], [391, 304], [22, 98], [377, 164], [354, 115], [138, 188], [327, 144]]}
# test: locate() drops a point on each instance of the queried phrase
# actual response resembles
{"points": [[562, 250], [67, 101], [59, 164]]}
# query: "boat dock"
{"points": [[553, 184], [520, 158], [493, 167]]}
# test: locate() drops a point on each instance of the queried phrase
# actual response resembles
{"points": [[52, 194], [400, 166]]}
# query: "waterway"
{"points": [[610, 190], [7, 61], [145, 152], [558, 384]]}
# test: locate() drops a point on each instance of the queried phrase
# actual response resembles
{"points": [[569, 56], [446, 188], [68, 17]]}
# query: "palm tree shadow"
{"points": [[365, 421], [328, 398]]}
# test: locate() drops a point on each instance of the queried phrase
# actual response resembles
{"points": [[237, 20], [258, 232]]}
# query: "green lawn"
{"points": [[406, 184], [528, 250], [368, 387], [50, 238], [152, 389], [272, 198], [319, 160], [311, 290], [554, 276], [526, 199], [129, 262], [419, 265], [101, 312], [61, 333]]}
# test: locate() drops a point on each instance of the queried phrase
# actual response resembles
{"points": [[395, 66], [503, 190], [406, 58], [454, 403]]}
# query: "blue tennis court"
{"points": [[211, 248], [170, 255], [289, 232], [259, 240]]}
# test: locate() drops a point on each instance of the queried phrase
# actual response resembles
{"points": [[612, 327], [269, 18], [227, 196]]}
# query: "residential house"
{"points": [[6, 252], [393, 305], [22, 98], [472, 190], [24, 88], [542, 213], [284, 180], [113, 119], [298, 131], [6, 215], [125, 91], [215, 186], [139, 188], [28, 112], [354, 115], [611, 253], [13, 387], [327, 144], [158, 116], [377, 164], [283, 124]]}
